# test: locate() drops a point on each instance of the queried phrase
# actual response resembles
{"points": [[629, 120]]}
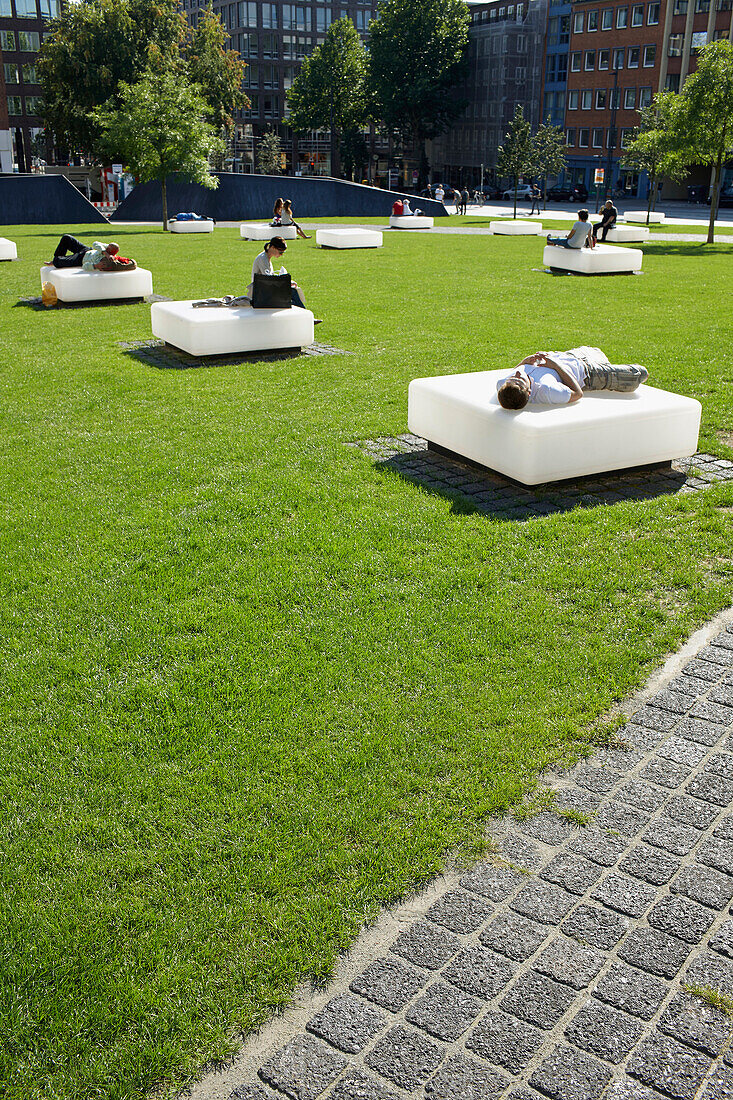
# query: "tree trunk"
{"points": [[652, 187], [715, 189], [164, 196], [544, 194], [516, 185], [422, 176]]}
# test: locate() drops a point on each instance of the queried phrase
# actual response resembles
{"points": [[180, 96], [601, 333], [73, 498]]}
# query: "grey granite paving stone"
{"points": [[670, 701], [681, 917], [459, 912], [538, 1000], [495, 883], [543, 902], [630, 1090], [603, 1030], [681, 751], [712, 712], [347, 1023], [465, 1078], [632, 990], [480, 971], [689, 684], [357, 1085], [635, 792], [569, 962], [704, 670], [621, 759], [720, 763], [654, 951], [724, 640], [710, 970], [703, 884], [664, 1063], [426, 945], [568, 1074], [698, 1024], [520, 852], [649, 864], [624, 894], [514, 936], [444, 1011], [719, 1085], [700, 731], [711, 788], [404, 1057], [576, 799], [389, 983], [524, 1094], [505, 1041], [665, 774], [715, 656], [721, 693], [595, 927], [597, 846], [253, 1092], [672, 837], [724, 829], [548, 827], [303, 1068], [598, 780], [722, 941], [618, 818], [690, 811], [645, 737], [718, 854], [572, 872], [654, 718]]}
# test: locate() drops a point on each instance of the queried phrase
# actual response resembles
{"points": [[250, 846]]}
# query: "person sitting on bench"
{"points": [[100, 257], [581, 234], [561, 377], [262, 265], [609, 213]]}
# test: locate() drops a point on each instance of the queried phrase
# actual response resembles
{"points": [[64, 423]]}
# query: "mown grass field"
{"points": [[255, 685]]}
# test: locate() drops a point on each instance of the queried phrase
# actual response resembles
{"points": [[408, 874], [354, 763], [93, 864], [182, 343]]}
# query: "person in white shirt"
{"points": [[407, 211], [439, 193], [561, 377], [581, 234]]}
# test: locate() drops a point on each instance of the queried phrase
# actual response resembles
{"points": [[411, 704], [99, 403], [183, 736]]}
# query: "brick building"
{"points": [[23, 24]]}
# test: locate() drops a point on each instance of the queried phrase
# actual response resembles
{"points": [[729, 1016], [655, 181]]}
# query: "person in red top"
{"points": [[397, 209]]}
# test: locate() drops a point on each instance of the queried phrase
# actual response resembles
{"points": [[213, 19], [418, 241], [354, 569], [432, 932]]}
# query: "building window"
{"points": [[672, 83], [270, 76], [575, 61], [680, 7], [592, 20], [251, 76], [247, 14], [26, 9], [618, 58], [14, 105], [29, 41], [630, 99], [6, 9], [570, 136], [562, 66], [7, 41], [625, 138], [12, 76], [650, 56], [725, 5], [590, 60], [700, 5], [598, 137], [33, 105], [550, 66], [652, 15], [271, 106], [564, 30], [603, 57], [634, 57], [607, 19], [622, 18], [675, 45], [583, 138], [573, 100], [645, 97], [324, 18], [29, 74], [269, 16], [601, 97], [578, 23], [637, 15], [296, 18], [49, 9], [586, 99]]}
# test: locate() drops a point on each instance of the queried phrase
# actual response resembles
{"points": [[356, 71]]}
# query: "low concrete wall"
{"points": [[44, 200], [250, 197]]}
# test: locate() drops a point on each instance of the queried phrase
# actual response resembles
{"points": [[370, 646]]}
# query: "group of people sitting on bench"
{"points": [[401, 209], [584, 233], [561, 378]]}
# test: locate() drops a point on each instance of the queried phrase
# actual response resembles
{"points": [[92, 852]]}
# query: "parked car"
{"points": [[560, 194], [524, 191], [726, 196]]}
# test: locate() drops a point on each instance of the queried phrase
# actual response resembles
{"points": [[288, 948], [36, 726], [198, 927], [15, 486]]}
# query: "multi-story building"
{"points": [[23, 24], [557, 46]]}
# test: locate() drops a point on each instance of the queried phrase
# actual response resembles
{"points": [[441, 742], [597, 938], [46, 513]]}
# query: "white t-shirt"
{"points": [[545, 385], [579, 234], [440, 194]]}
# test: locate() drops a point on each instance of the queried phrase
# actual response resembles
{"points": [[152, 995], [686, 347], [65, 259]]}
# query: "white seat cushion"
{"points": [[8, 249], [627, 233], [414, 221], [349, 238], [604, 259], [655, 217], [222, 330], [73, 284], [206, 226], [516, 228], [256, 231], [603, 431]]}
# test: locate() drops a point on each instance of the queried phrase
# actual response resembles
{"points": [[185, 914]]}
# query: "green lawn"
{"points": [[255, 685]]}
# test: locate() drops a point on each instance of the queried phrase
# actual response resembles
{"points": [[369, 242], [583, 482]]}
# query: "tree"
{"points": [[654, 147], [704, 116], [269, 154], [216, 70], [417, 57], [159, 128], [550, 156], [518, 155], [329, 92]]}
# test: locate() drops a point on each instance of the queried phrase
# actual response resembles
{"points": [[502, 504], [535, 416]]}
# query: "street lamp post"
{"points": [[611, 135]]}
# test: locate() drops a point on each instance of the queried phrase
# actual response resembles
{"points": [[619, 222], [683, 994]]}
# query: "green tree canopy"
{"points": [[550, 159], [330, 91], [160, 128], [417, 58], [269, 154], [655, 147], [217, 70], [518, 155]]}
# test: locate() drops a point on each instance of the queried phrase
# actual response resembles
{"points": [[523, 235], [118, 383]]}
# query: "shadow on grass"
{"points": [[689, 249], [472, 489], [154, 353], [37, 303]]}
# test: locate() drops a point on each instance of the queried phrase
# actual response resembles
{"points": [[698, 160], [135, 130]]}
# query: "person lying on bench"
{"points": [[100, 257], [561, 377], [581, 234]]}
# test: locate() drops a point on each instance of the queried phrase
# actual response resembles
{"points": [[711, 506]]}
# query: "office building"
{"points": [[23, 24]]}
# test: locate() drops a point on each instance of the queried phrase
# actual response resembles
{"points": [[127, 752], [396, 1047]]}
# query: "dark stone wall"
{"points": [[249, 197], [44, 200]]}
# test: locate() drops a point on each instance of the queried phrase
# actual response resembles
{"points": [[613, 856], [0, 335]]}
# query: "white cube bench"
{"points": [[655, 217], [197, 226], [627, 233], [412, 221], [540, 443], [349, 238], [224, 330], [256, 231], [604, 259], [73, 284], [516, 228], [8, 249]]}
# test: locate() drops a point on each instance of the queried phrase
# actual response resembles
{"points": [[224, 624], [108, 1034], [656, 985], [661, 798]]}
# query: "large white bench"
{"points": [[224, 330], [349, 238], [194, 226], [8, 249], [73, 284], [604, 431], [256, 231], [516, 228], [655, 217], [604, 259], [411, 221], [627, 233]]}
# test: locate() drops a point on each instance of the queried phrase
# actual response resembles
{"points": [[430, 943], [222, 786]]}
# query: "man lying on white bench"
{"points": [[560, 377], [71, 252]]}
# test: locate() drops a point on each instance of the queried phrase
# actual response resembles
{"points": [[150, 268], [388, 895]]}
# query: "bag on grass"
{"points": [[271, 292], [48, 295]]}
